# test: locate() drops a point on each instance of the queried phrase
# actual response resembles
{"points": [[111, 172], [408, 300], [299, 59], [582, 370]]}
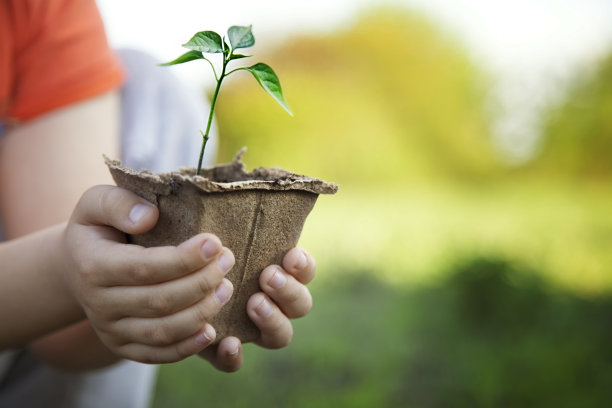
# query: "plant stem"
{"points": [[205, 135]]}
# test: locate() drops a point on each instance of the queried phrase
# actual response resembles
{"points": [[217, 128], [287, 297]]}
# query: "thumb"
{"points": [[114, 206]]}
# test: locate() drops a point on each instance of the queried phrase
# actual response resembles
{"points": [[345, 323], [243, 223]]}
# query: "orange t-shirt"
{"points": [[52, 53]]}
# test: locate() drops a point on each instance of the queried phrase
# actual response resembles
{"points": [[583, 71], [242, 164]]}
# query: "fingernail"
{"points": [[226, 261], [210, 248], [233, 352], [138, 212], [223, 292], [206, 336], [277, 280], [301, 261], [264, 309]]}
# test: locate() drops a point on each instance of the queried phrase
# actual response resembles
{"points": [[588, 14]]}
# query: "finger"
{"points": [[163, 331], [293, 298], [226, 356], [166, 298], [299, 263], [135, 265], [114, 206], [275, 327], [171, 353]]}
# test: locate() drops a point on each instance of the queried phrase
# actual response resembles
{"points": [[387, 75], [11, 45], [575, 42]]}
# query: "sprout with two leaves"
{"points": [[209, 42]]}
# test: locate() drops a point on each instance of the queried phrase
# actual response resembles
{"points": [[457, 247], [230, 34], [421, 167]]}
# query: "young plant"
{"points": [[209, 42]]}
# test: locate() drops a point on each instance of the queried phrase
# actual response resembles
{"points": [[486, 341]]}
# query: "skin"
{"points": [[77, 295]]}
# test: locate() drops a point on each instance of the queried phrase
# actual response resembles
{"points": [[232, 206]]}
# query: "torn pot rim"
{"points": [[270, 179]]}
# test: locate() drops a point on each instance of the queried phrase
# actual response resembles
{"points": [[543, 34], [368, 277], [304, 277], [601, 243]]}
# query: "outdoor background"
{"points": [[467, 259]]}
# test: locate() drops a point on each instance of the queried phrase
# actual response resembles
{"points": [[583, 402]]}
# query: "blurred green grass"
{"points": [[490, 334]]}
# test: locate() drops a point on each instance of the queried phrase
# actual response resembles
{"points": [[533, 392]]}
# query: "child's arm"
{"points": [[45, 165]]}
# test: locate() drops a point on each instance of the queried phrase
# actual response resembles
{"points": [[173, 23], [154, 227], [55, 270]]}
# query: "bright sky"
{"points": [[532, 46]]}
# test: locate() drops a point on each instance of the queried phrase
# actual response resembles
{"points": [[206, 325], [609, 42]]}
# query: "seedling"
{"points": [[209, 42]]}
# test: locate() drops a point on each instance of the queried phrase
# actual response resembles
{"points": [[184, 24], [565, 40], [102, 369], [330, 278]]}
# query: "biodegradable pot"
{"points": [[259, 215]]}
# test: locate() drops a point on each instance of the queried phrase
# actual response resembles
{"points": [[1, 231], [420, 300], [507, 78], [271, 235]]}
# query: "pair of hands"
{"points": [[154, 305]]}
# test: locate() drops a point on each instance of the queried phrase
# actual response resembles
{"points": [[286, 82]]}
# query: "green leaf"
{"points": [[205, 41], [269, 82], [186, 57], [239, 56], [241, 36]]}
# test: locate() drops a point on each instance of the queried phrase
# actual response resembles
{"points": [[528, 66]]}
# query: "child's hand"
{"points": [[150, 305], [285, 296]]}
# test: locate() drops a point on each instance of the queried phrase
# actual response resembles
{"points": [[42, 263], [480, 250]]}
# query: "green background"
{"points": [[446, 276]]}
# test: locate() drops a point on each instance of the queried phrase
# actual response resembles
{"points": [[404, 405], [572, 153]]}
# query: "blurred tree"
{"points": [[390, 99], [577, 138]]}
